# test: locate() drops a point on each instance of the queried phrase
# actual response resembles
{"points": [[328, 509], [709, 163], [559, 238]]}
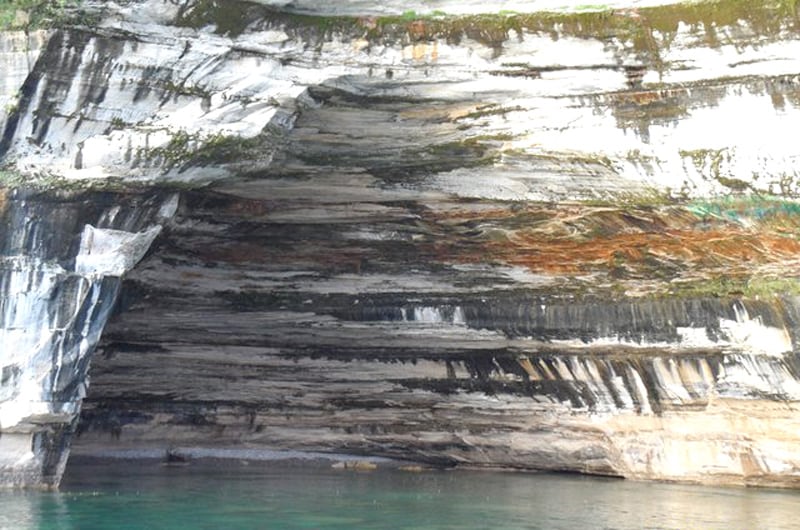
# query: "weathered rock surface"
{"points": [[537, 240], [59, 279]]}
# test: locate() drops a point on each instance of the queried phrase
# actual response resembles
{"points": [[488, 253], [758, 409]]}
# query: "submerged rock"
{"points": [[174, 457], [535, 240]]}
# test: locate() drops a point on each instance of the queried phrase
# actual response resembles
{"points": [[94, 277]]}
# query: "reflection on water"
{"points": [[127, 495]]}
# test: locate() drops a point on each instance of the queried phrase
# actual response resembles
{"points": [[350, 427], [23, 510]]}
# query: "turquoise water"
{"points": [[228, 495]]}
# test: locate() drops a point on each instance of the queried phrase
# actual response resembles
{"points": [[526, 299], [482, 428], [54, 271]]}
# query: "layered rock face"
{"points": [[537, 240]]}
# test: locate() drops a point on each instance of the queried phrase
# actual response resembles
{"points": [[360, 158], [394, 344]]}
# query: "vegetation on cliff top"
{"points": [[30, 14], [644, 29]]}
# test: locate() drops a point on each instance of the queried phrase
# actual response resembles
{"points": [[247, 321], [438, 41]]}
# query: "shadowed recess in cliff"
{"points": [[248, 332]]}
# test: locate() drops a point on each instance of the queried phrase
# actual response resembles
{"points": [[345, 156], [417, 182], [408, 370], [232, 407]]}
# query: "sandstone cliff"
{"points": [[536, 237]]}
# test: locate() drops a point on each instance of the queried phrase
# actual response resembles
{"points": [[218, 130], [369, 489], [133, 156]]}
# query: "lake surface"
{"points": [[230, 494]]}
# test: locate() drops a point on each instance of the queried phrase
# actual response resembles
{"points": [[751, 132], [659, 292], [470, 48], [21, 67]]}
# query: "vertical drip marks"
{"points": [[27, 91], [643, 385], [755, 326], [68, 383], [446, 314], [59, 72], [758, 376], [45, 87], [38, 303], [49, 324], [39, 229], [402, 311], [95, 76], [764, 327], [789, 307]]}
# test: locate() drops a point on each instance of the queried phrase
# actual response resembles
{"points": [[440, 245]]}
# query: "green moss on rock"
{"points": [[645, 30]]}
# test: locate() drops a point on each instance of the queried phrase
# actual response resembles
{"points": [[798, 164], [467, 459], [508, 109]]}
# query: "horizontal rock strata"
{"points": [[357, 335]]}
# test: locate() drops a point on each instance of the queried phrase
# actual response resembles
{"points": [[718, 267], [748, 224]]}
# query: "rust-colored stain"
{"points": [[648, 97], [643, 244], [417, 30], [567, 240], [691, 248], [421, 51], [249, 207]]}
